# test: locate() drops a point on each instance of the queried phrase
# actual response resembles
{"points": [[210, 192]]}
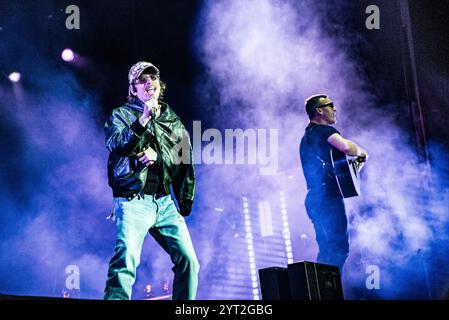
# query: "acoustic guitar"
{"points": [[346, 170]]}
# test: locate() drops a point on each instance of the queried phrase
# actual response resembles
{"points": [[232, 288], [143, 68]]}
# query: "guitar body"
{"points": [[346, 173]]}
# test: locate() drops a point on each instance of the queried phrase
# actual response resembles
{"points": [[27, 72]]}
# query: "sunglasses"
{"points": [[326, 105], [146, 78]]}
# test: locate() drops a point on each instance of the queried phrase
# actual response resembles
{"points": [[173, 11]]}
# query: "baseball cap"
{"points": [[137, 69]]}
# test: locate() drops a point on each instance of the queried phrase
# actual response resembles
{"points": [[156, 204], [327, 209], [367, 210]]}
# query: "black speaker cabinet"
{"points": [[314, 281], [274, 283]]}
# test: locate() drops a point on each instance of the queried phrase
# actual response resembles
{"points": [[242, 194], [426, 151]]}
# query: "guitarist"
{"points": [[324, 202]]}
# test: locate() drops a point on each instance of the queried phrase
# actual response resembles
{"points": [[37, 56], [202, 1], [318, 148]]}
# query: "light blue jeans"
{"points": [[159, 217]]}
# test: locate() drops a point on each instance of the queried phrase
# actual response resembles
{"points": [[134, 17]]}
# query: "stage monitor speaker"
{"points": [[314, 281], [274, 283]]}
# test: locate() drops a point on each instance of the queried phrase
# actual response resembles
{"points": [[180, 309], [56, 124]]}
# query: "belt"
{"points": [[155, 195]]}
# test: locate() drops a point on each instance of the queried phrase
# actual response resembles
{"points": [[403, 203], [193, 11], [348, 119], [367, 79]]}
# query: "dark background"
{"points": [[111, 38]]}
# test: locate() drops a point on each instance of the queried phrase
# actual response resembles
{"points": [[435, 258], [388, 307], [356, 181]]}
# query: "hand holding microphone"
{"points": [[150, 107], [149, 110]]}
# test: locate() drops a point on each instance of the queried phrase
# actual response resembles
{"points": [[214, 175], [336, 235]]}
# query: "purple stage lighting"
{"points": [[14, 76], [68, 55]]}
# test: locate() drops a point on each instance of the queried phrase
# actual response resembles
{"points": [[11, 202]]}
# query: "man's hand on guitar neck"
{"points": [[361, 158]]}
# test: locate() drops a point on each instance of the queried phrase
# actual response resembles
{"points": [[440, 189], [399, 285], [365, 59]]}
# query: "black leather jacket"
{"points": [[126, 137]]}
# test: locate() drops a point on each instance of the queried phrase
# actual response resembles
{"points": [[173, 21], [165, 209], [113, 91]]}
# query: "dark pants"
{"points": [[327, 211]]}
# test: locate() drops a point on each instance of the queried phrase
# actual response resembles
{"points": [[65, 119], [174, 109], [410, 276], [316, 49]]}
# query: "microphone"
{"points": [[152, 105]]}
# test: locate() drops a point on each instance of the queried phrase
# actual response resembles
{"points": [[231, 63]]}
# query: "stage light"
{"points": [[68, 55], [250, 246], [14, 76], [286, 228]]}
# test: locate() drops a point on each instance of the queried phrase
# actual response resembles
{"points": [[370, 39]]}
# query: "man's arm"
{"points": [[121, 137], [347, 146], [187, 188], [184, 182]]}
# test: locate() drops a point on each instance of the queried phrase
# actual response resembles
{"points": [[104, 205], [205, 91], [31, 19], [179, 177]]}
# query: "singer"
{"points": [[141, 169]]}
